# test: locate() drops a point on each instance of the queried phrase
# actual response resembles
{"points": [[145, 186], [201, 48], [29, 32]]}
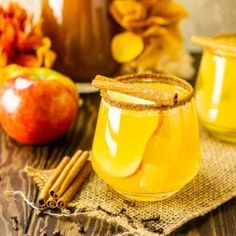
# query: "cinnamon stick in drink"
{"points": [[132, 89], [81, 161], [44, 193], [74, 187], [63, 174]]}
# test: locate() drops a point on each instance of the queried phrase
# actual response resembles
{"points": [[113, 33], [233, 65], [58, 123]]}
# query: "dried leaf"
{"points": [[125, 7], [157, 23], [154, 31], [170, 10], [138, 15], [125, 12]]}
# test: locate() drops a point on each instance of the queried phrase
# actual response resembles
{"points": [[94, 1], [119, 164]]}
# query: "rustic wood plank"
{"points": [[221, 221], [14, 157], [79, 137]]}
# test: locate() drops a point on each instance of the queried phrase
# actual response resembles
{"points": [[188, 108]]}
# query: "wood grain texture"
{"points": [[17, 218]]}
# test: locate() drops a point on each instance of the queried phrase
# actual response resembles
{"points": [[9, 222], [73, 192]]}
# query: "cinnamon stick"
{"points": [[157, 96], [44, 193], [74, 187], [51, 203], [80, 162], [63, 174]]}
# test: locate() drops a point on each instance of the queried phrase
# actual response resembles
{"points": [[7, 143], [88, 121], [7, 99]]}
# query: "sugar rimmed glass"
{"points": [[144, 150]]}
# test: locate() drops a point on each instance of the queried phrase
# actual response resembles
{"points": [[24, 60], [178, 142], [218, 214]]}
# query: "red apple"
{"points": [[37, 106]]}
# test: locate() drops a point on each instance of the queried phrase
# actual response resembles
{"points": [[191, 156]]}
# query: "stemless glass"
{"points": [[143, 150], [216, 86]]}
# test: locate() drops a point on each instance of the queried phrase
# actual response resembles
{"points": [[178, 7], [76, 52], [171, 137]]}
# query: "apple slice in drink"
{"points": [[120, 153]]}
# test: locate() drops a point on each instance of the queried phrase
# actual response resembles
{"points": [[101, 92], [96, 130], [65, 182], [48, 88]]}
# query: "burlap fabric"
{"points": [[215, 184]]}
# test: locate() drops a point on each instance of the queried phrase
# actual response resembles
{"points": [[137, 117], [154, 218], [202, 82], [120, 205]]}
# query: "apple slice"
{"points": [[116, 157], [153, 178], [119, 144], [166, 141], [121, 169]]}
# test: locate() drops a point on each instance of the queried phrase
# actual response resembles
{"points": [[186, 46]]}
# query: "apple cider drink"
{"points": [[143, 149]]}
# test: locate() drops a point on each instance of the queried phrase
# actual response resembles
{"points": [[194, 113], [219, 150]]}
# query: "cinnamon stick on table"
{"points": [[43, 197], [74, 187], [81, 161], [51, 203], [64, 172]]}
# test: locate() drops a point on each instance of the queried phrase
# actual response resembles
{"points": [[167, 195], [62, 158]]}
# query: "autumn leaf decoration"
{"points": [[21, 41], [151, 38]]}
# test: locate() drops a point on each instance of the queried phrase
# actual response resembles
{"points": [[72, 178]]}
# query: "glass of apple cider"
{"points": [[147, 150], [216, 86]]}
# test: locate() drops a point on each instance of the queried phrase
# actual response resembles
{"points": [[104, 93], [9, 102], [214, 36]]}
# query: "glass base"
{"points": [[146, 197], [228, 137], [152, 197], [225, 134]]}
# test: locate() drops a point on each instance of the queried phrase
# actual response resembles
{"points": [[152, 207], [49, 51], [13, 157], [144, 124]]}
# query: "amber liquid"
{"points": [[215, 95], [81, 32], [146, 155]]}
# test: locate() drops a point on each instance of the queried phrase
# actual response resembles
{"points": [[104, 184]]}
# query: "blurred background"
{"points": [[206, 17]]}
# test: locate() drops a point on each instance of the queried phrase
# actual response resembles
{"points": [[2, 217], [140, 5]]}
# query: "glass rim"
{"points": [[213, 43], [170, 79]]}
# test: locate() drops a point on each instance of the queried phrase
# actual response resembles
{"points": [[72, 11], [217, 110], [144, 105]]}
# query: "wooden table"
{"points": [[17, 218]]}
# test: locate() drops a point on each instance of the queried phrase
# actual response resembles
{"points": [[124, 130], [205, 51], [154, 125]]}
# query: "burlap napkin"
{"points": [[215, 184]]}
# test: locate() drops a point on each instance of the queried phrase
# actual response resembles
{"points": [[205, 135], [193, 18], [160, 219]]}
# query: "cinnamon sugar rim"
{"points": [[150, 77]]}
